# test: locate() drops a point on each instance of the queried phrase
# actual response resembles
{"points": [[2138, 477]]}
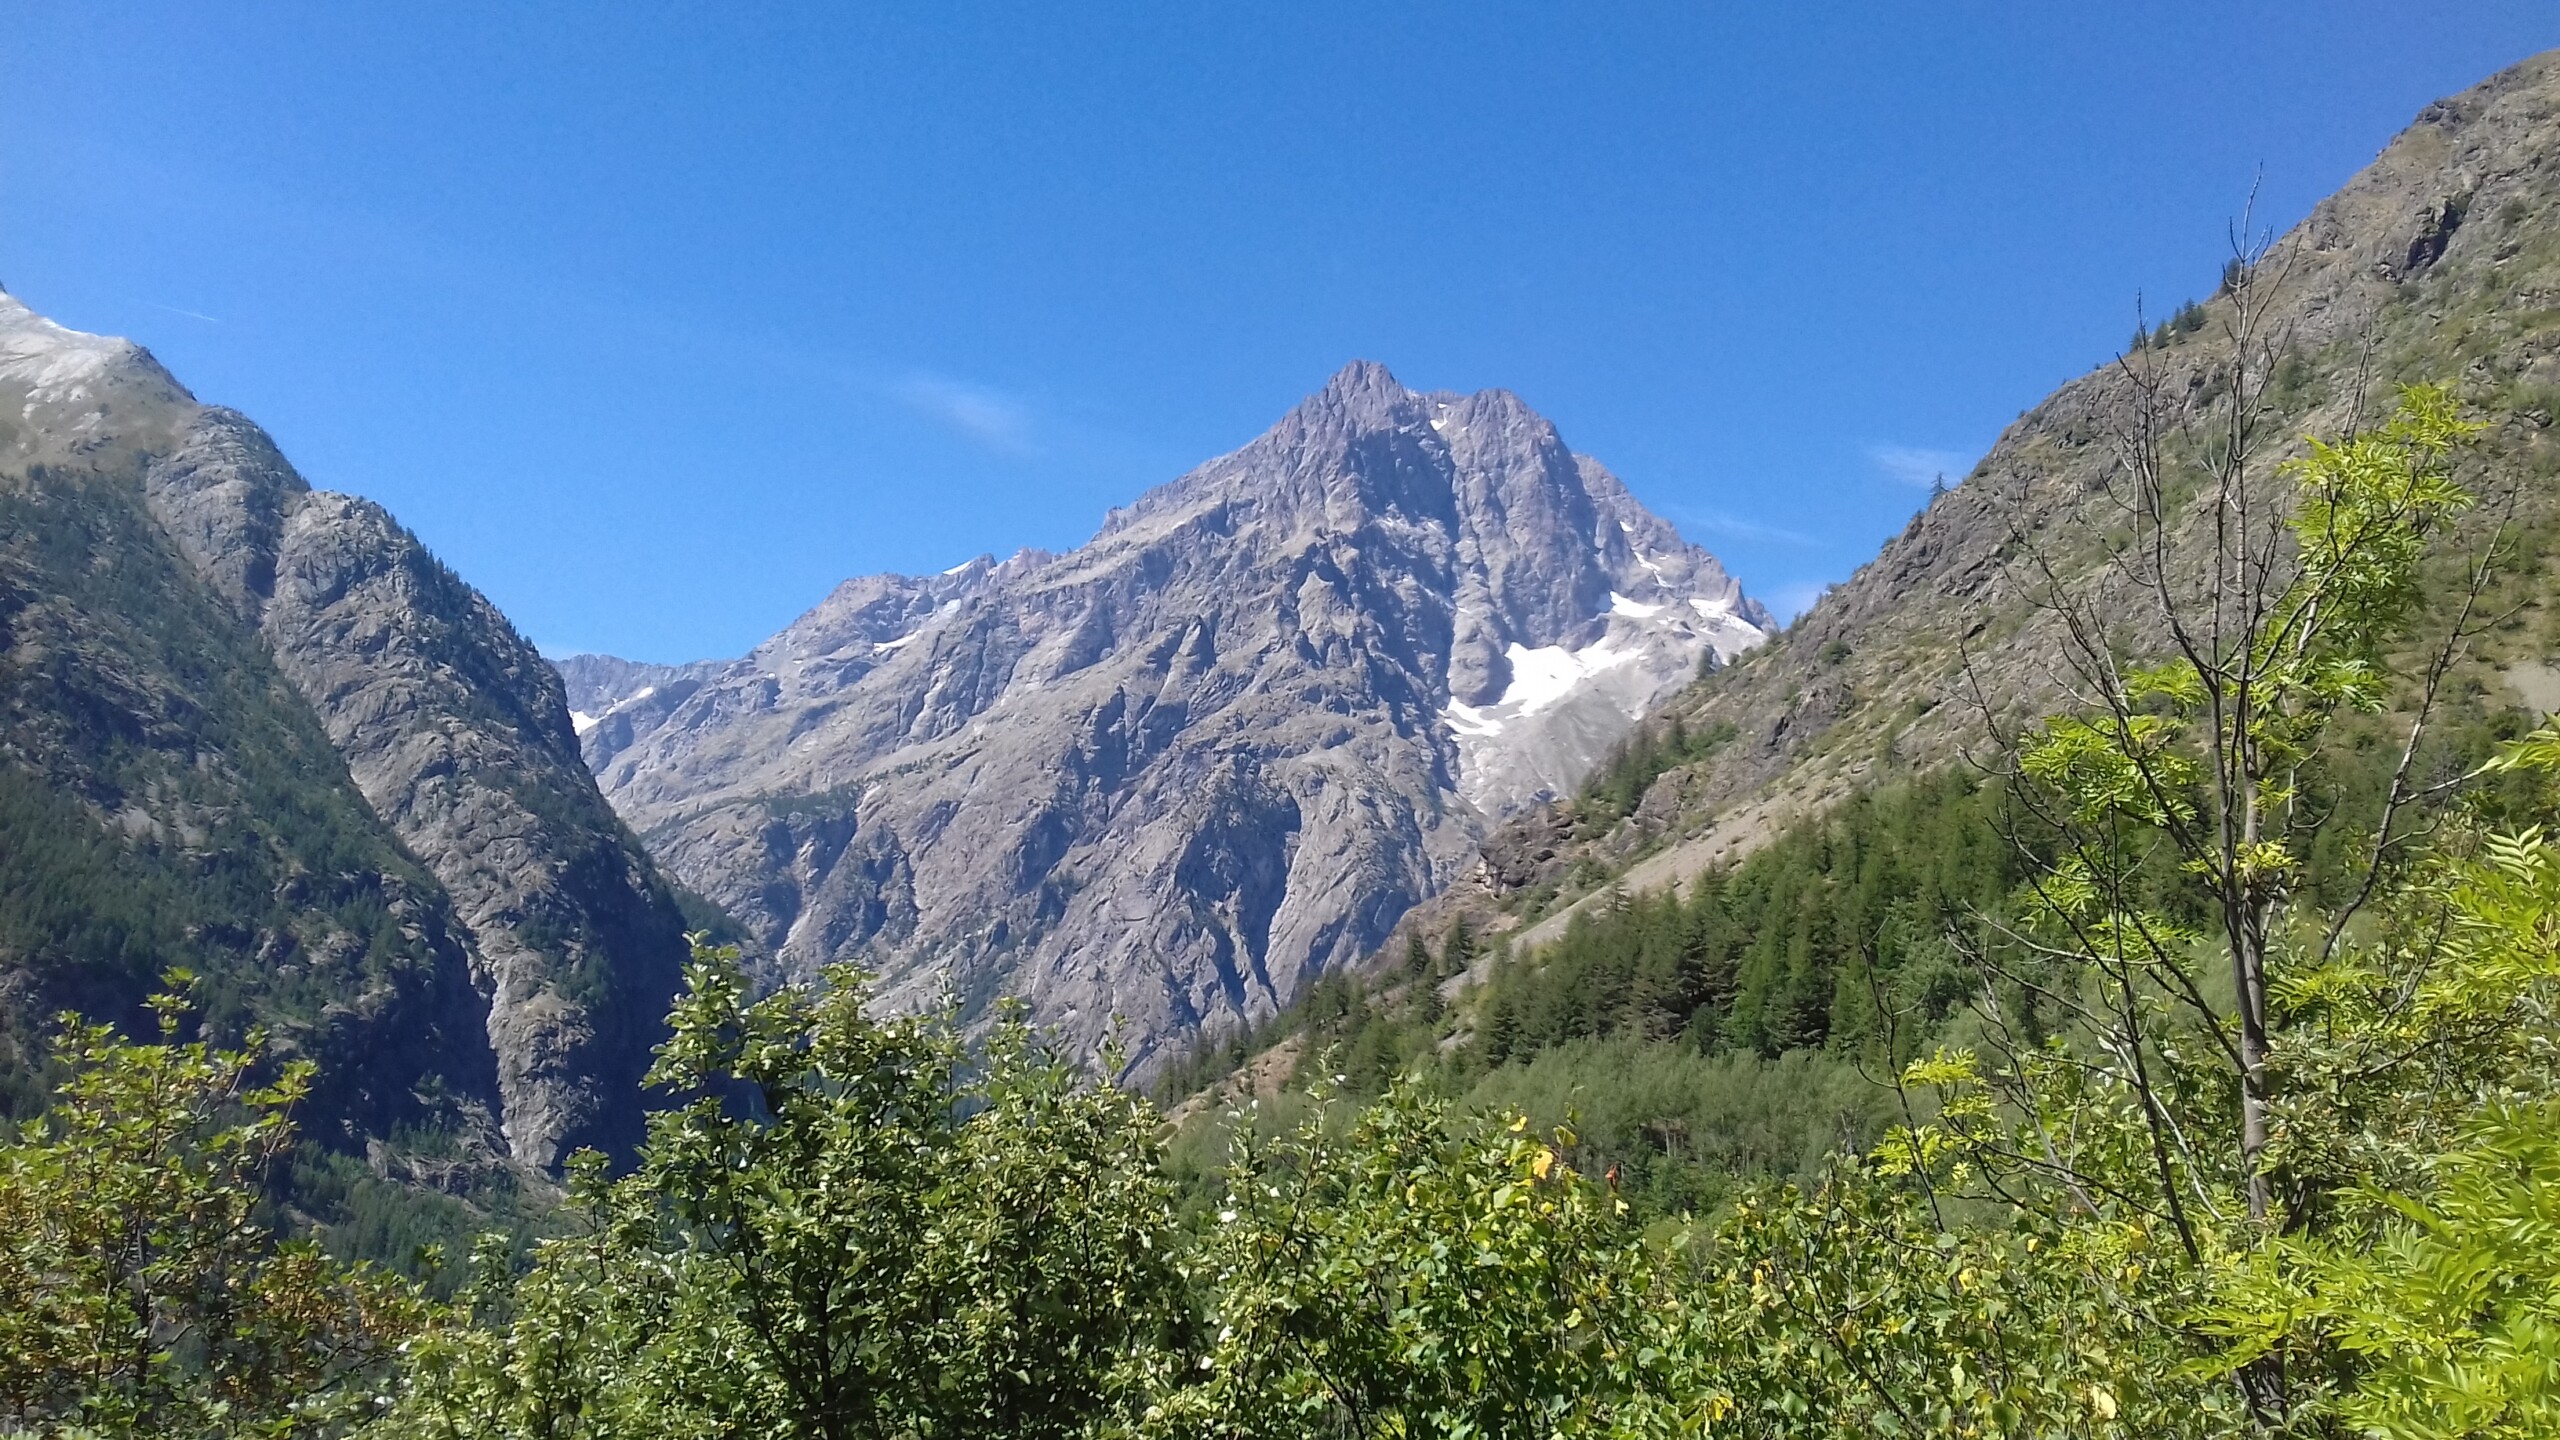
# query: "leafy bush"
{"points": [[139, 1293], [851, 1227]]}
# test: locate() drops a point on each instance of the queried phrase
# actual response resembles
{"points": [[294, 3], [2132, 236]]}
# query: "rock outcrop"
{"points": [[452, 729]]}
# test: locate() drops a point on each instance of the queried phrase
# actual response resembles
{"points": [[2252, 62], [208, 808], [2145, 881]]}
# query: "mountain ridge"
{"points": [[448, 729], [2433, 263], [1353, 638]]}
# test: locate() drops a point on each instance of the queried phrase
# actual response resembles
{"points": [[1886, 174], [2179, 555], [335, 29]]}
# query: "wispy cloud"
{"points": [[988, 417], [1716, 522], [190, 314], [1920, 466]]}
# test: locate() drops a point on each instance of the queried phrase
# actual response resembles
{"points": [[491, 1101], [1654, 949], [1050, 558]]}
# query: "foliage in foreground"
{"points": [[140, 1292], [853, 1227], [857, 1226]]}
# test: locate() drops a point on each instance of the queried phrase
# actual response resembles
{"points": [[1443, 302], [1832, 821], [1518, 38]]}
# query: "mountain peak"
{"points": [[1175, 774], [1362, 393], [1363, 377], [53, 362], [69, 379]]}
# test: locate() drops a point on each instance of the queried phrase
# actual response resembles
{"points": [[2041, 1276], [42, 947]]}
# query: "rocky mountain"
{"points": [[257, 729], [611, 700], [1154, 785], [2440, 262]]}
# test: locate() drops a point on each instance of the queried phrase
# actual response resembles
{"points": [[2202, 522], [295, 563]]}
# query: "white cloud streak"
{"points": [[1716, 522], [190, 314], [1919, 466], [986, 417]]}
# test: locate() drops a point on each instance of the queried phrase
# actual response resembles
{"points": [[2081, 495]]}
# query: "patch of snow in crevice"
{"points": [[1563, 708], [582, 722], [901, 643], [1541, 677]]}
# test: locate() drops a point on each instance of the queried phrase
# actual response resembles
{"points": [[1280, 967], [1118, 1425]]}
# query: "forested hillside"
{"points": [[2438, 263], [172, 804]]}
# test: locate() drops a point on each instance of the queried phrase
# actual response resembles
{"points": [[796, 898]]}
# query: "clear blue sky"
{"points": [[656, 321]]}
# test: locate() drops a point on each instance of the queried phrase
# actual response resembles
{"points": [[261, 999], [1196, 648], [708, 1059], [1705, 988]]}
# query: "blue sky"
{"points": [[657, 320]]}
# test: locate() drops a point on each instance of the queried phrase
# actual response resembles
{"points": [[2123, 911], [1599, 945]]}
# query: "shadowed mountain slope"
{"points": [[257, 729]]}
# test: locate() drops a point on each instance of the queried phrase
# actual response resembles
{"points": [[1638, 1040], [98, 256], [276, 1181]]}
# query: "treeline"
{"points": [[856, 1226], [1691, 1039], [1785, 951], [1633, 764], [1657, 1025]]}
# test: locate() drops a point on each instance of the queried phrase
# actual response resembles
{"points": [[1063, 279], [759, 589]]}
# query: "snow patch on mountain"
{"points": [[53, 364], [1565, 706], [583, 721]]}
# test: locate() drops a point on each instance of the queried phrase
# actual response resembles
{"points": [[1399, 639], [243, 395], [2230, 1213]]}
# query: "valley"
{"points": [[1387, 937]]}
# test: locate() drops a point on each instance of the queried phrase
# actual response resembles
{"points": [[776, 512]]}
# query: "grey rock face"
{"points": [[167, 801], [594, 684], [454, 730], [612, 700], [457, 733], [1155, 785]]}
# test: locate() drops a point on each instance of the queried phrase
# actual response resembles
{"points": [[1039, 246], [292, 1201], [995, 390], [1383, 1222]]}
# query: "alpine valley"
{"points": [[1404, 674], [2095, 973], [1153, 787]]}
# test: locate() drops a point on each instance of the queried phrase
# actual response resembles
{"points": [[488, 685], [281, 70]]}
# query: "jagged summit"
{"points": [[1360, 389], [1174, 773]]}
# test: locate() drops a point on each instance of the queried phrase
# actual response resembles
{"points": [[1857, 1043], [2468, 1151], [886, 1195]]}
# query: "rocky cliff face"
{"points": [[1154, 785], [452, 730], [2439, 263]]}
